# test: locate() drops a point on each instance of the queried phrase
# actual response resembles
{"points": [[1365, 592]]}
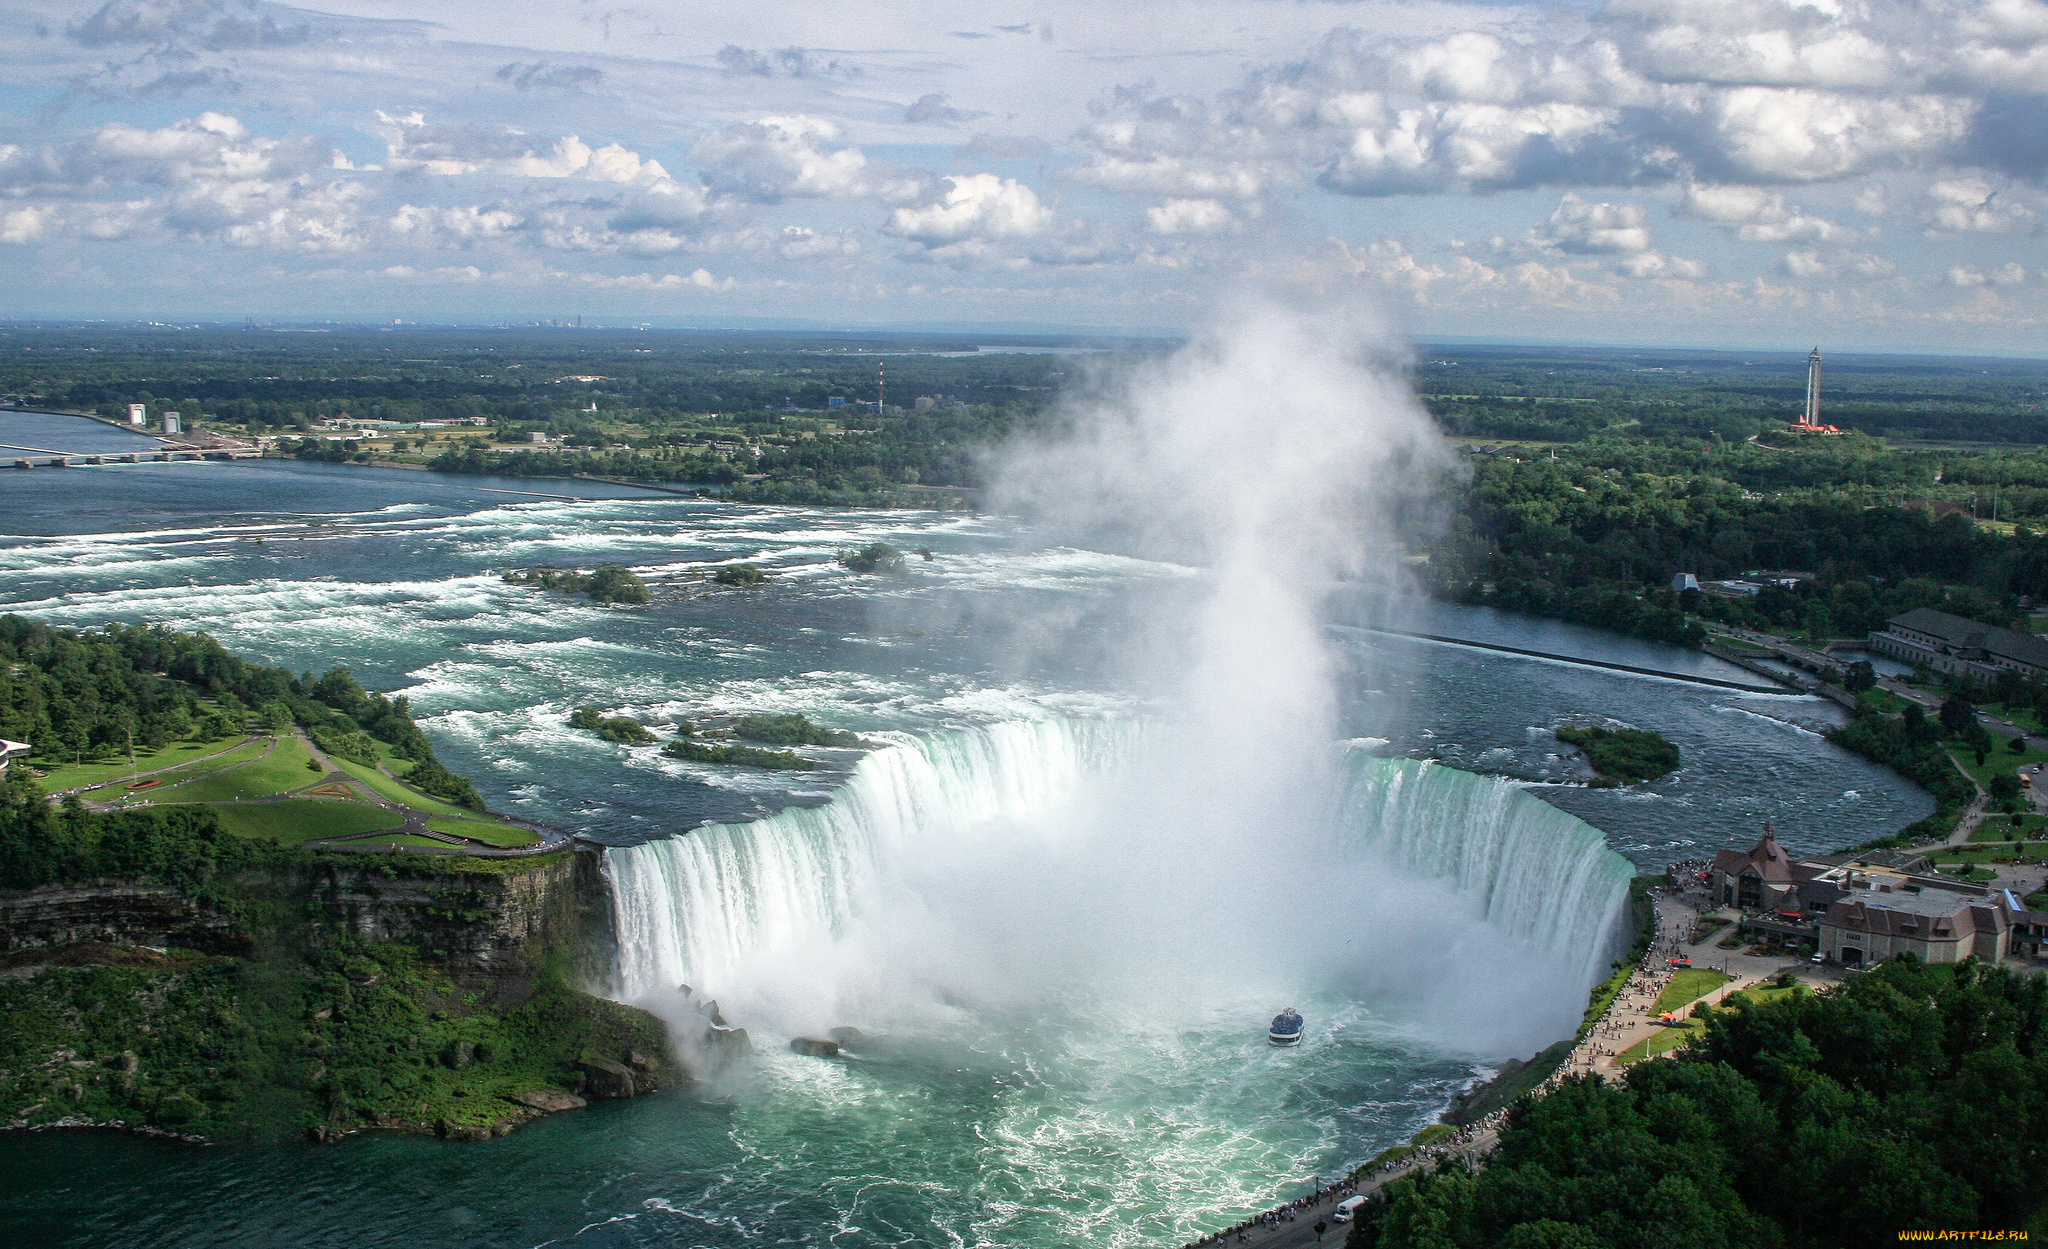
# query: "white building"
{"points": [[138, 414], [11, 750], [171, 423]]}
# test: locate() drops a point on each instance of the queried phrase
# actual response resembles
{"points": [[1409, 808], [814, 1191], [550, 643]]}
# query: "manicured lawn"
{"points": [[2001, 828], [1882, 700], [489, 832], [283, 769], [398, 793], [1660, 1042], [186, 760], [71, 776], [2025, 717], [2000, 762], [299, 820], [392, 763], [1668, 1039], [1688, 986]]}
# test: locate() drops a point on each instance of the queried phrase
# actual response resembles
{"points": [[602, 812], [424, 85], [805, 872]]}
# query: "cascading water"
{"points": [[695, 909], [1540, 874], [727, 906]]}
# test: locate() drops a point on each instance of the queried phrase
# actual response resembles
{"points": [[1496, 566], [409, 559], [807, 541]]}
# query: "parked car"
{"points": [[1818, 958]]}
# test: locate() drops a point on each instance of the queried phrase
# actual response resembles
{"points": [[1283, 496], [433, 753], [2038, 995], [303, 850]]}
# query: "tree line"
{"points": [[1910, 1097]]}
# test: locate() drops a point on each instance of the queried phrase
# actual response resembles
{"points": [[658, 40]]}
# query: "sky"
{"points": [[1862, 175]]}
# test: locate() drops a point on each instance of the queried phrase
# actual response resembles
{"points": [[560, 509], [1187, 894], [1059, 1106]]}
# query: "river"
{"points": [[1049, 1124]]}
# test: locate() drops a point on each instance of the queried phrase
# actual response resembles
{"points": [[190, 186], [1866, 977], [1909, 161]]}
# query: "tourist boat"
{"points": [[1286, 1029]]}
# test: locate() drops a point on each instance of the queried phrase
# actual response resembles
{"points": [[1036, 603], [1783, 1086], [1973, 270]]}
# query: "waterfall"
{"points": [[694, 908], [689, 909], [1540, 874]]}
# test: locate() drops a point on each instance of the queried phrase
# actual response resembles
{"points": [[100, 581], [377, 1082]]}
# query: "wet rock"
{"points": [[639, 1061], [549, 1101], [814, 1047], [728, 1042], [461, 1054], [603, 1078]]}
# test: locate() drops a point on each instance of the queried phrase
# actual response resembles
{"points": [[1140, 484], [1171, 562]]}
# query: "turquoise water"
{"points": [[1062, 1119]]}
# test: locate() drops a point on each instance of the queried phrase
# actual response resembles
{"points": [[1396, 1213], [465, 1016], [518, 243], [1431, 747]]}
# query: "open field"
{"points": [[395, 792], [297, 820], [1688, 986], [281, 770]]}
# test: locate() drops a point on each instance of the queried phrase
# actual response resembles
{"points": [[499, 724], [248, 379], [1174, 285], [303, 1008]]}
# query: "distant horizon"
{"points": [[773, 326]]}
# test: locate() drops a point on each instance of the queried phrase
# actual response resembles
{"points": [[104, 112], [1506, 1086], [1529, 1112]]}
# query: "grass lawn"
{"points": [[396, 792], [392, 763], [1663, 1041], [2008, 828], [194, 764], [2000, 762], [489, 832], [1882, 700], [297, 820], [284, 768], [2025, 717], [1980, 853], [1687, 986], [71, 776]]}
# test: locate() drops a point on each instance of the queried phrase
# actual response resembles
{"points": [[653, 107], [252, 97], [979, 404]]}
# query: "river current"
{"points": [[1141, 1126]]}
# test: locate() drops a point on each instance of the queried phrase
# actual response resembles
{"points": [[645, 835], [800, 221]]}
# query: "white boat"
{"points": [[1286, 1029]]}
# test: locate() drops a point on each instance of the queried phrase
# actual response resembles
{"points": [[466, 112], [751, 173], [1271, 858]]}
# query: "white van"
{"points": [[1345, 1209]]}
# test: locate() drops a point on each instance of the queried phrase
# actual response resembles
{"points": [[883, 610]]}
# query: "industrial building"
{"points": [[1960, 646]]}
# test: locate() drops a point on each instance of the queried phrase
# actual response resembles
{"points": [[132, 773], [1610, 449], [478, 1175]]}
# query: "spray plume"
{"points": [[1204, 860]]}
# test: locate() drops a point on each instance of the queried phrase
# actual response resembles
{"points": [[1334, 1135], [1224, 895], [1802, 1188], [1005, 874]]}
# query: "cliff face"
{"points": [[491, 931], [122, 912], [488, 930]]}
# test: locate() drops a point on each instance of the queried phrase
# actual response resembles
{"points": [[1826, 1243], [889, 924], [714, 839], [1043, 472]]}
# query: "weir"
{"points": [[691, 909]]}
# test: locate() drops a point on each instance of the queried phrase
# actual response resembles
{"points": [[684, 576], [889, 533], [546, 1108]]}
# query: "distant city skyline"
{"points": [[1644, 172]]}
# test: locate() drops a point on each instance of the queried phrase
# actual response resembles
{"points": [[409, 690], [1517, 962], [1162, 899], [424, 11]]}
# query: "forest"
{"points": [[92, 694], [1909, 1097]]}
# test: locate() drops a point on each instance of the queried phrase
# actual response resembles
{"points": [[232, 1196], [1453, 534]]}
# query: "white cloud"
{"points": [[779, 158], [1758, 216], [976, 209], [414, 143], [1189, 216], [1974, 206], [1593, 229], [2007, 274]]}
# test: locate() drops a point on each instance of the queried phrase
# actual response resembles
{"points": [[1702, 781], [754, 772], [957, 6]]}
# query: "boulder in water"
{"points": [[728, 1042], [814, 1047], [606, 1079]]}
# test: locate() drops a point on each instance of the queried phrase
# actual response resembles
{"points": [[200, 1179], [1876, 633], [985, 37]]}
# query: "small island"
{"points": [[609, 584], [1622, 756], [789, 729], [876, 558], [743, 576], [622, 729]]}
